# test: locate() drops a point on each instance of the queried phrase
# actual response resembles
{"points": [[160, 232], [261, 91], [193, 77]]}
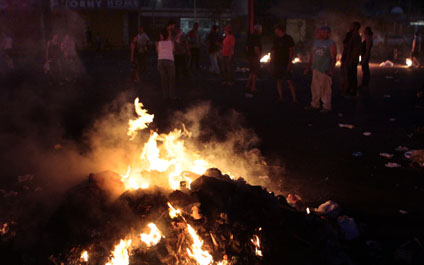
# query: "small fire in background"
{"points": [[296, 60], [84, 256], [257, 243], [4, 229], [120, 255], [266, 58], [153, 237], [408, 62]]}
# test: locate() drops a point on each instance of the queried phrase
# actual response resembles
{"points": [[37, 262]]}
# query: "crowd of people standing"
{"points": [[178, 55]]}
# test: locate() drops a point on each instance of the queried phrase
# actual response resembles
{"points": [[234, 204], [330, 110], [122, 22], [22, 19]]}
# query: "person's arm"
{"points": [[157, 47], [291, 55], [367, 49], [333, 53], [311, 58], [47, 51]]}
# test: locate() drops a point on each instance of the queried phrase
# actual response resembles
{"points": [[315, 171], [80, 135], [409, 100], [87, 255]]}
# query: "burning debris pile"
{"points": [[173, 206], [217, 221]]}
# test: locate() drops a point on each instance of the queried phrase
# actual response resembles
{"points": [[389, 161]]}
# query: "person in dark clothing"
{"points": [[139, 49], [351, 60], [194, 42], [214, 45], [367, 44], [181, 54], [254, 49], [415, 51], [281, 60], [54, 58], [343, 66]]}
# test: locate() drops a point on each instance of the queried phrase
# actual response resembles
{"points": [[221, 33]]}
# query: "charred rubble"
{"points": [[226, 214]]}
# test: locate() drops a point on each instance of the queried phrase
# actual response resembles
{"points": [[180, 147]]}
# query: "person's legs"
{"points": [[214, 63], [171, 79], [163, 78], [225, 68], [366, 74], [178, 66], [280, 89], [352, 79], [326, 95], [292, 90], [315, 90], [230, 69]]}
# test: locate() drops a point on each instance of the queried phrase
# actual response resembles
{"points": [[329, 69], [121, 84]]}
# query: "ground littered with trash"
{"points": [[227, 213]]}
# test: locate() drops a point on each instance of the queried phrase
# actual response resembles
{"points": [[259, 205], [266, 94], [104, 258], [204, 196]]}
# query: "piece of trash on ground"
{"points": [[387, 96], [293, 199], [387, 63], [392, 119], [348, 227], [387, 155], [392, 165], [367, 133], [329, 208], [401, 148], [345, 125], [340, 115], [357, 154], [403, 212]]}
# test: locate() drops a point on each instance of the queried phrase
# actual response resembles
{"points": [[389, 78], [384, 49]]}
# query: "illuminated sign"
{"points": [[95, 4]]}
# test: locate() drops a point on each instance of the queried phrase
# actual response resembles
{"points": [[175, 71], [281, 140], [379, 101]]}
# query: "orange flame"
{"points": [[84, 256], [153, 237], [257, 243], [120, 255], [196, 252], [173, 213], [141, 122]]}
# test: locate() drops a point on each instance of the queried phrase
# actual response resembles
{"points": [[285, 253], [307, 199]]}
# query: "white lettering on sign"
{"points": [[73, 3], [90, 3], [84, 4]]}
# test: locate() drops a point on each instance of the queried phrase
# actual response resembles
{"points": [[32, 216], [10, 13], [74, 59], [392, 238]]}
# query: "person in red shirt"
{"points": [[227, 55]]}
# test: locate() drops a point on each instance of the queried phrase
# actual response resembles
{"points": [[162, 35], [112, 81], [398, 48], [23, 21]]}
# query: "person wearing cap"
{"points": [[322, 61], [227, 55], [253, 49]]}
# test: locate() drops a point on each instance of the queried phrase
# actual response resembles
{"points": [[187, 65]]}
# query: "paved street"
{"points": [[314, 151]]}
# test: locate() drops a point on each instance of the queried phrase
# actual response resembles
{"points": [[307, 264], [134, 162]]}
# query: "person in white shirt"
{"points": [[166, 65]]}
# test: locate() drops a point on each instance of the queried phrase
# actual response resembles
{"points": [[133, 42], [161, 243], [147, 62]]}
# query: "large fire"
{"points": [[165, 158]]}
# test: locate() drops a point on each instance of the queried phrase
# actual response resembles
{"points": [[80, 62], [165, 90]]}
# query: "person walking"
{"points": [[214, 45], [367, 44], [70, 58], [228, 55], [166, 65], [253, 49], [181, 53], [139, 48], [194, 42], [54, 58], [7, 47], [281, 61], [351, 60], [415, 51], [322, 62]]}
